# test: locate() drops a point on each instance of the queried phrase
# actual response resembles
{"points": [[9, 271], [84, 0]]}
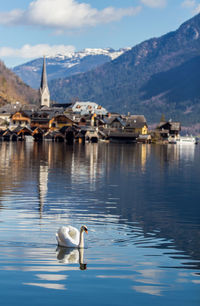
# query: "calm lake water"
{"points": [[140, 204]]}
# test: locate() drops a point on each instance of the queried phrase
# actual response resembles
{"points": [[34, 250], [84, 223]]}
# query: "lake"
{"points": [[140, 203]]}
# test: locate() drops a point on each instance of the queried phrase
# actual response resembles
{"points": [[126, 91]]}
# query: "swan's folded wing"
{"points": [[67, 236], [61, 236], [74, 234]]}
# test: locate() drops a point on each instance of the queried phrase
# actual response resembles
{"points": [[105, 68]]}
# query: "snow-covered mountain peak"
{"points": [[91, 51], [66, 64]]}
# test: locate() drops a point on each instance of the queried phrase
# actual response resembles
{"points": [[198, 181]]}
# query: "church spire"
{"points": [[44, 90]]}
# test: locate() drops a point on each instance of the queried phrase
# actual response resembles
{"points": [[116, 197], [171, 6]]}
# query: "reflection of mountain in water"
{"points": [[166, 202], [151, 185]]}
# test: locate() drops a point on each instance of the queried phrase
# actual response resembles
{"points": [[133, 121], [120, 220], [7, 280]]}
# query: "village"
{"points": [[79, 121], [83, 121]]}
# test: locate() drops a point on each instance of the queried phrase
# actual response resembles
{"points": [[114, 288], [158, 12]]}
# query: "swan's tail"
{"points": [[57, 238]]}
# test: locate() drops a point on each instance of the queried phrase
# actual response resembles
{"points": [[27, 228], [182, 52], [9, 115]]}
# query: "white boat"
{"points": [[186, 140], [172, 140]]}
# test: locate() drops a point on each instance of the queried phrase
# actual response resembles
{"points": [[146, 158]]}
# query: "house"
{"points": [[23, 133], [114, 123], [136, 124], [40, 119], [9, 135], [85, 108], [20, 118], [59, 121], [87, 120], [69, 132], [38, 134], [80, 120], [114, 130], [168, 130]]}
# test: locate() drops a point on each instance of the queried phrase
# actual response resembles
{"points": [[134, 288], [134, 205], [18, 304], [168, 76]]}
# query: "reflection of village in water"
{"points": [[65, 178], [98, 158], [89, 161]]}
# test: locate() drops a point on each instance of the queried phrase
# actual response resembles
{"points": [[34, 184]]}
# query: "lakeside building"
{"points": [[125, 128], [57, 125], [167, 132], [86, 108]]}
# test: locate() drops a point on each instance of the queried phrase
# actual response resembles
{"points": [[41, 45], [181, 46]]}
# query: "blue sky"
{"points": [[30, 29]]}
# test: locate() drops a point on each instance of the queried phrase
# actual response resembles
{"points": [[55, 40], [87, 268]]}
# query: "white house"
{"points": [[85, 108]]}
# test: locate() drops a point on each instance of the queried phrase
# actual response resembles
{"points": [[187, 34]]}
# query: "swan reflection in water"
{"points": [[71, 256]]}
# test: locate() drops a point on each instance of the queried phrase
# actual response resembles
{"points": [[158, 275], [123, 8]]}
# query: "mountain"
{"points": [[65, 65], [13, 89], [160, 75]]}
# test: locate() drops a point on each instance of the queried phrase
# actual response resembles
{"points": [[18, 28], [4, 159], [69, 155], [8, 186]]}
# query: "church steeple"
{"points": [[44, 90]]}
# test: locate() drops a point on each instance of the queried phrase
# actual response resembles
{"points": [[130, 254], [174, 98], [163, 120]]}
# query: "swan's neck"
{"points": [[81, 243]]}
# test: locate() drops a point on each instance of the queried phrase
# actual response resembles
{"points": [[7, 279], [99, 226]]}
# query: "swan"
{"points": [[71, 237]]}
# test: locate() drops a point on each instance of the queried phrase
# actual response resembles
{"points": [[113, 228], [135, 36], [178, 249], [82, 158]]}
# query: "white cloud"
{"points": [[197, 9], [11, 17], [188, 3], [28, 51], [64, 14], [191, 4], [155, 3]]}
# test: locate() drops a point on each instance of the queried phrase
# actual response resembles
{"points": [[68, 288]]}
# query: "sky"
{"points": [[31, 29]]}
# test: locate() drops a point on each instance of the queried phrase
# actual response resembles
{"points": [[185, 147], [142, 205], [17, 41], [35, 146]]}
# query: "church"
{"points": [[45, 100], [44, 90]]}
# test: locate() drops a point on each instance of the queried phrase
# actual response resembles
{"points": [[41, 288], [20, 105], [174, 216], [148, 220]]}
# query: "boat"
{"points": [[172, 139], [186, 140]]}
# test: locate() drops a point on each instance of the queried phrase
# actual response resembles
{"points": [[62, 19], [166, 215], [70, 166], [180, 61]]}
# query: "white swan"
{"points": [[70, 237]]}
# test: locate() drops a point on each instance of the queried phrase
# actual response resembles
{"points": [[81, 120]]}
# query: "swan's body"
{"points": [[71, 237]]}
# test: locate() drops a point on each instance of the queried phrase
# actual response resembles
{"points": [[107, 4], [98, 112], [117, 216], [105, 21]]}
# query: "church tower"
{"points": [[44, 90]]}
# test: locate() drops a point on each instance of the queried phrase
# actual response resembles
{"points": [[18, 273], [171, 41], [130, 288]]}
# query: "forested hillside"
{"points": [[13, 89]]}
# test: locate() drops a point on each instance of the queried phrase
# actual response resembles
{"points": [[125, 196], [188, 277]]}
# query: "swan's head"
{"points": [[84, 229]]}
